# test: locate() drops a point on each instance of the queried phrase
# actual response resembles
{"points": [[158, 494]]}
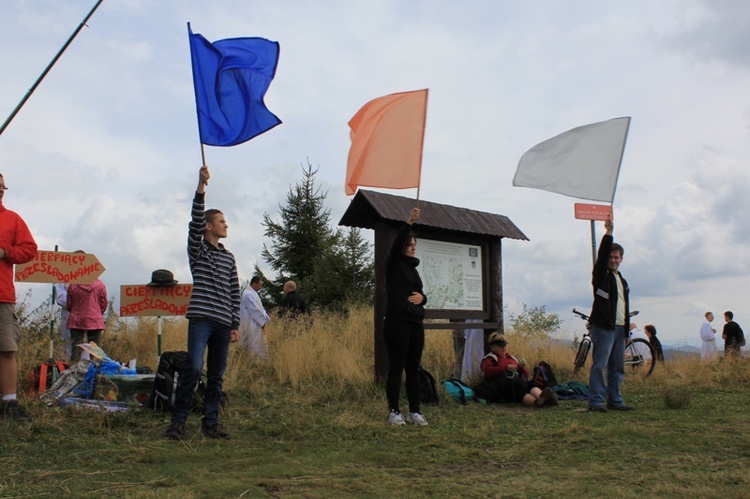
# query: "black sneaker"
{"points": [[597, 408], [215, 431], [12, 410], [175, 430]]}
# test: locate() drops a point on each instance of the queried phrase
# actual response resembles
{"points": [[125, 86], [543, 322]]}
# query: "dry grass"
{"points": [[310, 422], [337, 349]]}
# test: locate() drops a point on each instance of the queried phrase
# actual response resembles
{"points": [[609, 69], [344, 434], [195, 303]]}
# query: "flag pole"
{"points": [[47, 69], [612, 203], [421, 150], [619, 165]]}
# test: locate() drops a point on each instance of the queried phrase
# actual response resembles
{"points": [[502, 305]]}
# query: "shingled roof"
{"points": [[368, 207]]}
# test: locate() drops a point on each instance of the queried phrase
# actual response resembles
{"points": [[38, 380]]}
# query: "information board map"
{"points": [[451, 274]]}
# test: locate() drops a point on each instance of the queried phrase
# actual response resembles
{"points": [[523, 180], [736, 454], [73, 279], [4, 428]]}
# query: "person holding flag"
{"points": [[213, 314], [403, 329], [610, 323], [230, 78]]}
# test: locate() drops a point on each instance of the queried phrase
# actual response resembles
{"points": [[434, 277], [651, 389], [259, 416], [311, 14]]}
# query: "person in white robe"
{"points": [[253, 319], [709, 353]]}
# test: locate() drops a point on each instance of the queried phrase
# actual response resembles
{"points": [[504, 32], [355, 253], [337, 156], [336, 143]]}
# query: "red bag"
{"points": [[45, 374]]}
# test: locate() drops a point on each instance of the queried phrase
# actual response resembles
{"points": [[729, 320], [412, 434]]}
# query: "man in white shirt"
{"points": [[253, 319], [708, 336]]}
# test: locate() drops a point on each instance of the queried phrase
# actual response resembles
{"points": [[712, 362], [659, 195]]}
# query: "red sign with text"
{"points": [[593, 211], [142, 300], [58, 266]]}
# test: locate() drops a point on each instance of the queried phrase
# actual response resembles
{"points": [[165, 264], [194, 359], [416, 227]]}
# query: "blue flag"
{"points": [[231, 77]]}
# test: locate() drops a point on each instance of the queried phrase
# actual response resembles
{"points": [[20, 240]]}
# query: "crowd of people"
{"points": [[220, 313]]}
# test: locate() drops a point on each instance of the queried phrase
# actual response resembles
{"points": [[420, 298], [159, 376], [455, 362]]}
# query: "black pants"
{"points": [[77, 337], [404, 341]]}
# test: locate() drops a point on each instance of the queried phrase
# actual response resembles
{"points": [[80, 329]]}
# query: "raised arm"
{"points": [[414, 216], [197, 225], [203, 177]]}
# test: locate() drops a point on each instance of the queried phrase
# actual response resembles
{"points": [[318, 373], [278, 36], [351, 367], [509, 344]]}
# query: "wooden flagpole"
{"points": [[421, 150]]}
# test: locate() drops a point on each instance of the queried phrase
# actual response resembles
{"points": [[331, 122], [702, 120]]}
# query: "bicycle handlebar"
{"points": [[586, 317], [581, 315]]}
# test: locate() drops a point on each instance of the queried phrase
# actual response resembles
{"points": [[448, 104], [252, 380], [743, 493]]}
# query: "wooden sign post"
{"points": [[142, 300], [57, 266], [601, 212]]}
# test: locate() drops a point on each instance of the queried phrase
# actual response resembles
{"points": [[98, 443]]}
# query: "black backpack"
{"points": [[166, 380], [543, 377], [428, 389]]}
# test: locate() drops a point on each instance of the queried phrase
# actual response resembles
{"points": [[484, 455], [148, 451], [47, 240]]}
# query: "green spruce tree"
{"points": [[331, 268]]}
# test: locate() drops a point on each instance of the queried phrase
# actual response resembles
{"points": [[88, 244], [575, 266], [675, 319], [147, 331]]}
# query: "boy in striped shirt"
{"points": [[213, 314]]}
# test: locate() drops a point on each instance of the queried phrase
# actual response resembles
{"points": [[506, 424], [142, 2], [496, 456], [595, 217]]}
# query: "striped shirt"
{"points": [[216, 285]]}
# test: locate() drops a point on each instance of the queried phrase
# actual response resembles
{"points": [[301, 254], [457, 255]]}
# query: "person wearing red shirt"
{"points": [[507, 379], [16, 246]]}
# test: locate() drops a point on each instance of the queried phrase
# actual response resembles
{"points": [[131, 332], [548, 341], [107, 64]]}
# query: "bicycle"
{"points": [[639, 353]]}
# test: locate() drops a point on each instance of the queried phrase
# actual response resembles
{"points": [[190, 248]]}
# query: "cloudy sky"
{"points": [[104, 156]]}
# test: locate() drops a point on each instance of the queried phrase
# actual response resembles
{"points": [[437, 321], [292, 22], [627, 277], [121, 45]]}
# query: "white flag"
{"points": [[582, 163]]}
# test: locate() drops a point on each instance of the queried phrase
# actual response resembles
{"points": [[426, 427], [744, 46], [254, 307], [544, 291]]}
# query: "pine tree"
{"points": [[302, 235], [331, 268], [346, 272]]}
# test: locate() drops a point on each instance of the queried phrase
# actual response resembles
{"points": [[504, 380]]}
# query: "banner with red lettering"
{"points": [[142, 300], [58, 266]]}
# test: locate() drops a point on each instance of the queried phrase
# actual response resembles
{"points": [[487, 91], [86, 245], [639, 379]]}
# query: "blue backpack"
{"points": [[458, 391]]}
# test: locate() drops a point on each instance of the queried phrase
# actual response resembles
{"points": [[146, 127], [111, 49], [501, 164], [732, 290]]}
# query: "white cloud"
{"points": [[104, 156]]}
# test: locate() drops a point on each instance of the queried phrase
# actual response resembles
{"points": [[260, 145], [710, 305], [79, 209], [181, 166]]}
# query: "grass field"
{"points": [[311, 423]]}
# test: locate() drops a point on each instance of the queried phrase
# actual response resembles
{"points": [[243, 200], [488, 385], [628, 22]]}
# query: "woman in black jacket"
{"points": [[403, 330]]}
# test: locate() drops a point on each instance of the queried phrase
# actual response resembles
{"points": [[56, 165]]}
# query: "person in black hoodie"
{"points": [[403, 328]]}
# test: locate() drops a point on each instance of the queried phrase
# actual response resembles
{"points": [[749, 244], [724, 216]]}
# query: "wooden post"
{"points": [[496, 288]]}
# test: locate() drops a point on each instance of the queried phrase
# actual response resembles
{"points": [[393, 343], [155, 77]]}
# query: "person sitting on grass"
{"points": [[507, 379]]}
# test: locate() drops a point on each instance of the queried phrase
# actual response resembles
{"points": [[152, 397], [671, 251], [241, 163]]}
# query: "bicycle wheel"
{"points": [[640, 358], [582, 354]]}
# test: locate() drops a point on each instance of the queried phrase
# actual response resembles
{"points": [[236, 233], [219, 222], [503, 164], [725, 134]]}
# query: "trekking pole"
{"points": [[47, 69]]}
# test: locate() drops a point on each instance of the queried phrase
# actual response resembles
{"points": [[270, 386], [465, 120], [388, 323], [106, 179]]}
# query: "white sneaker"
{"points": [[416, 418], [395, 419]]}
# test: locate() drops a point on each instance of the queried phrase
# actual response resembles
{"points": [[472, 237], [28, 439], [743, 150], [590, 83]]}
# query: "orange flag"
{"points": [[387, 137]]}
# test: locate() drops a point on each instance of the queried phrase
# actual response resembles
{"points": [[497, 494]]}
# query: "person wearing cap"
{"points": [[213, 314], [507, 379], [17, 246], [253, 320]]}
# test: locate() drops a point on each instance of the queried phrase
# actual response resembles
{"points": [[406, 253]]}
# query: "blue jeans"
{"points": [[608, 355], [203, 333]]}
